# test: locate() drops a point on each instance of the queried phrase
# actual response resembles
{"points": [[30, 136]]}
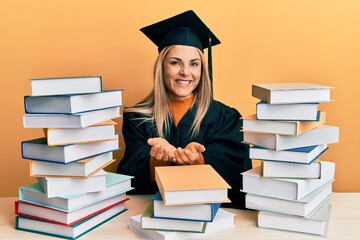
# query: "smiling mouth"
{"points": [[184, 82]]}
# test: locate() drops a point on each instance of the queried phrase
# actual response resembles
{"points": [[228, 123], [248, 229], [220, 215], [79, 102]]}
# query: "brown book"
{"points": [[191, 184]]}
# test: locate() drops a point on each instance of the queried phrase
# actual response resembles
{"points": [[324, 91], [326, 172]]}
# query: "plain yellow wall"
{"points": [[265, 41]]}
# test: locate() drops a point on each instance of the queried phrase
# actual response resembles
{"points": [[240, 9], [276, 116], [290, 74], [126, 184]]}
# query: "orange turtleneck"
{"points": [[178, 109]]}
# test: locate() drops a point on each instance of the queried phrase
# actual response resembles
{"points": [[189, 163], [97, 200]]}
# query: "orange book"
{"points": [[191, 184]]}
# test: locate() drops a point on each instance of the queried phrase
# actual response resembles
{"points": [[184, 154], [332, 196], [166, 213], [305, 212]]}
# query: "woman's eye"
{"points": [[194, 64], [174, 62]]}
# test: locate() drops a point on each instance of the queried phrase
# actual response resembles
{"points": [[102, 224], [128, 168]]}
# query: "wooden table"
{"points": [[344, 223]]}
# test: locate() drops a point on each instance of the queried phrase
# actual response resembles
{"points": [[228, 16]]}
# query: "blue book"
{"points": [[197, 212], [116, 184], [304, 155]]}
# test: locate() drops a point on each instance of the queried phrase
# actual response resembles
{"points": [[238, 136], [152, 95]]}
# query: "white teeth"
{"points": [[184, 82]]}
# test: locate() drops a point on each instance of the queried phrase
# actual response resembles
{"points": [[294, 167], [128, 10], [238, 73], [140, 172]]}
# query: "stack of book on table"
{"points": [[292, 187], [73, 193], [187, 205]]}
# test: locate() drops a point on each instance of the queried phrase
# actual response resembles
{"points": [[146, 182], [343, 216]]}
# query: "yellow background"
{"points": [[265, 41]]}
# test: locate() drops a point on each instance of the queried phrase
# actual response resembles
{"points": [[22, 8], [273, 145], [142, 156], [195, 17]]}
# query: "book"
{"points": [[223, 220], [65, 85], [291, 170], [78, 120], [115, 184], [292, 112], [296, 92], [37, 149], [323, 134], [316, 224], [55, 186], [303, 207], [46, 214], [162, 224], [285, 188], [181, 185], [303, 155], [70, 232], [251, 124], [82, 168], [98, 132], [74, 103], [197, 212]]}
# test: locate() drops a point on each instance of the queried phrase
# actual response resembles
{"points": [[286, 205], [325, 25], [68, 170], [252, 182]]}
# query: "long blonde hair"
{"points": [[155, 107]]}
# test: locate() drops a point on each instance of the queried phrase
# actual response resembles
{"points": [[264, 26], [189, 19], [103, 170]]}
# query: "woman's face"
{"points": [[182, 71]]}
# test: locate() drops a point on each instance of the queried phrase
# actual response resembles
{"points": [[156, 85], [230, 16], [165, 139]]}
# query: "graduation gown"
{"points": [[219, 133]]}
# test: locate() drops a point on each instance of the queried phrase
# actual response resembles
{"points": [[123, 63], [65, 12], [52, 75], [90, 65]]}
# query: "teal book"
{"points": [[197, 212], [115, 184], [68, 232]]}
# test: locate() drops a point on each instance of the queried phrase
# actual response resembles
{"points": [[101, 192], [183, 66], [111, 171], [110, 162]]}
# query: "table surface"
{"points": [[344, 222]]}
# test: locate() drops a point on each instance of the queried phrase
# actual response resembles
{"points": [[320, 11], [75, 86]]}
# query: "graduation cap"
{"points": [[183, 29]]}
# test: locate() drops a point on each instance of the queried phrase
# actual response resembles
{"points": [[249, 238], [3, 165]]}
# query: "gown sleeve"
{"points": [[136, 160], [226, 153]]}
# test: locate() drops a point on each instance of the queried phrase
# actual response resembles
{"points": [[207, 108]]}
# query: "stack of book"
{"points": [[292, 187], [73, 194], [187, 205]]}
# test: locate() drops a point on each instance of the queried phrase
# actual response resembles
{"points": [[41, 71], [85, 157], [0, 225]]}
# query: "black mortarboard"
{"points": [[183, 29]]}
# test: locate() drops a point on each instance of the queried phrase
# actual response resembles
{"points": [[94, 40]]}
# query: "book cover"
{"points": [[37, 149], [295, 92], [304, 155], [275, 169], [82, 168], [56, 187], [284, 188], [287, 112], [46, 214], [75, 103], [65, 85], [323, 134], [302, 207], [78, 120], [223, 220], [252, 124], [63, 136], [181, 185], [70, 232], [163, 224], [197, 212], [115, 184]]}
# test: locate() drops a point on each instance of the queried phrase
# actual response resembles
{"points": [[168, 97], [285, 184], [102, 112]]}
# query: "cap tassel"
{"points": [[210, 63]]}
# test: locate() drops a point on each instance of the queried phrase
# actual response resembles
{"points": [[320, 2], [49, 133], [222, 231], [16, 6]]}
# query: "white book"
{"points": [[56, 187], [223, 220], [37, 149], [323, 134], [98, 132], [317, 223], [291, 170], [293, 112], [302, 207], [82, 168], [67, 218], [252, 124], [65, 85], [79, 120], [303, 155], [115, 184], [285, 188], [69, 232], [294, 92], [75, 103]]}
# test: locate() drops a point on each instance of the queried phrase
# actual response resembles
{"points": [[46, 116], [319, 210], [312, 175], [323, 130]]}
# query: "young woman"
{"points": [[179, 122]]}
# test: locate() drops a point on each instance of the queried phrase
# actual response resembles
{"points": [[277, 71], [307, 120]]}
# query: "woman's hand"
{"points": [[189, 154], [161, 150]]}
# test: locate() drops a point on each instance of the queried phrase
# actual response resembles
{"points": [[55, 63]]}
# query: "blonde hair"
{"points": [[155, 107]]}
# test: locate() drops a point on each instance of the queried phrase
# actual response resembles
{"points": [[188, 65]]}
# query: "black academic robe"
{"points": [[219, 133]]}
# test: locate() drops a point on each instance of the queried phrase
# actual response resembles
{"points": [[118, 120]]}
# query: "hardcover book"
{"points": [[296, 92], [181, 185], [75, 103], [65, 85], [274, 169], [284, 188]]}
